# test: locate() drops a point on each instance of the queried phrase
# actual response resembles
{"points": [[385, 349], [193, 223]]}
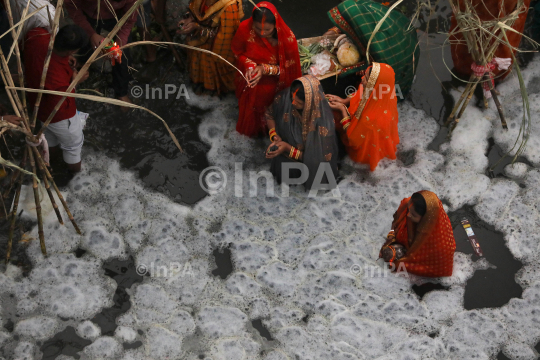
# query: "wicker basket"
{"points": [[308, 41]]}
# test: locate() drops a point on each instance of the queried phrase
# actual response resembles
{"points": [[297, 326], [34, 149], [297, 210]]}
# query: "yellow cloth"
{"points": [[210, 70]]}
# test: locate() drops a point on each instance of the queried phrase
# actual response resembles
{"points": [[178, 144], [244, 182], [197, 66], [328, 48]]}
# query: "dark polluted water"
{"points": [[140, 143]]}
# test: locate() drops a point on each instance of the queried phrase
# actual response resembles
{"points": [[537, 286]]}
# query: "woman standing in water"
{"points": [[302, 128], [369, 127], [267, 53], [423, 228]]}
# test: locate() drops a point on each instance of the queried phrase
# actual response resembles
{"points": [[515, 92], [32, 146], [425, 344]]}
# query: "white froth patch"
{"points": [[234, 349], [25, 350], [516, 170], [516, 351], [38, 328], [163, 344], [126, 334], [104, 347], [513, 107], [88, 330], [212, 318], [64, 286]]}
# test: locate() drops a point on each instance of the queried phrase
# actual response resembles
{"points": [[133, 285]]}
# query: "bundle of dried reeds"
{"points": [[482, 39]]}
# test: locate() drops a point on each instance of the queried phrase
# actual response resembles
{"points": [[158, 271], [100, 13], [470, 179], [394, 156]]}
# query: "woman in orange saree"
{"points": [[369, 127], [267, 53], [211, 25], [422, 226]]}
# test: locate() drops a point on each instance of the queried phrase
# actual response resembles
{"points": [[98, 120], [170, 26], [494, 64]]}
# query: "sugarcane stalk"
{"points": [[48, 188], [38, 203], [469, 97], [15, 176], [15, 207], [497, 103], [85, 67], [58, 193], [463, 95], [47, 61], [13, 105], [8, 80], [14, 34]]}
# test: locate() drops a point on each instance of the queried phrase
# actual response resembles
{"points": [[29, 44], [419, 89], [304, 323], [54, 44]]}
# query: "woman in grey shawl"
{"points": [[304, 144]]}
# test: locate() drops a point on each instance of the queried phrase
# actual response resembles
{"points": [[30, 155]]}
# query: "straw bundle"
{"points": [[483, 38]]}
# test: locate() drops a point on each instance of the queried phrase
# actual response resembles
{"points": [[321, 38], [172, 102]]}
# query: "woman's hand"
{"points": [[254, 75], [189, 27], [72, 61], [336, 99], [96, 40], [282, 148], [276, 138], [337, 106]]}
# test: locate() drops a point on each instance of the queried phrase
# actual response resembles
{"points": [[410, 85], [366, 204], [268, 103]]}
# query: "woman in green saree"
{"points": [[393, 44]]}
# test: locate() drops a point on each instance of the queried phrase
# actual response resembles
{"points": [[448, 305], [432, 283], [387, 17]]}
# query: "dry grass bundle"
{"points": [[482, 39], [31, 153]]}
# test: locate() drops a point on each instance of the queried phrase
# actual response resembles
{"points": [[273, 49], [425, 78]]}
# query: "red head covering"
{"points": [[288, 56], [430, 243], [251, 50]]}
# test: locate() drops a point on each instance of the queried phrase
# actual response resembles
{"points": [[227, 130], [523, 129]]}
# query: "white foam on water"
{"points": [[104, 347], [38, 328], [126, 334], [88, 330], [516, 170], [305, 266]]}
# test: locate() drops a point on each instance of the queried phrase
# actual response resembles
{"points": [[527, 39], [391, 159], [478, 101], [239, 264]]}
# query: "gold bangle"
{"points": [[291, 153], [335, 29]]}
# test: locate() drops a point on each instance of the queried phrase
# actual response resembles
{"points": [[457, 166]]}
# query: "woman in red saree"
{"points": [[267, 53], [369, 127], [423, 228]]}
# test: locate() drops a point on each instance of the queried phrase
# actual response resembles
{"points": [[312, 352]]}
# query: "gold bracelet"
{"points": [[335, 29], [291, 153], [346, 122]]}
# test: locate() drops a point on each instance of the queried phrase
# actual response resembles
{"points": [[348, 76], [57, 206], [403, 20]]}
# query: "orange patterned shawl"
{"points": [[373, 133], [430, 243]]}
